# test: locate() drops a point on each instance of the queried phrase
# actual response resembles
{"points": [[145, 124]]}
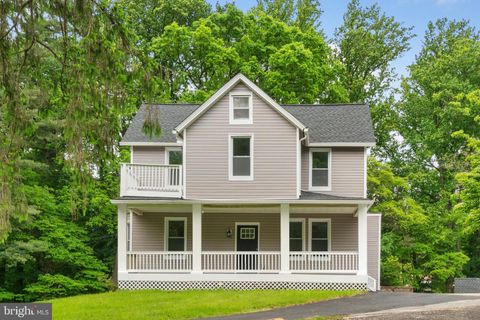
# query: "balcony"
{"points": [[151, 180]]}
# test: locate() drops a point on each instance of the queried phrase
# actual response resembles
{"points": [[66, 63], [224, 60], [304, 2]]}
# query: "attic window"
{"points": [[241, 108]]}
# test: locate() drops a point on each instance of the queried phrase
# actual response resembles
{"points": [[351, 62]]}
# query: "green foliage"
{"points": [[395, 273]]}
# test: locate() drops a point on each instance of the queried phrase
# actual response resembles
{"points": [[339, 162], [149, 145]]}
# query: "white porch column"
{"points": [[197, 238], [362, 239], [122, 238], [284, 238]]}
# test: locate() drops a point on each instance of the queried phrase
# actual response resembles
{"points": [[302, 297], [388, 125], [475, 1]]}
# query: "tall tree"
{"points": [[367, 43]]}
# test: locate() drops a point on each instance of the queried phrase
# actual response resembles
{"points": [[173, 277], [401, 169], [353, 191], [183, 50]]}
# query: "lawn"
{"points": [[154, 304]]}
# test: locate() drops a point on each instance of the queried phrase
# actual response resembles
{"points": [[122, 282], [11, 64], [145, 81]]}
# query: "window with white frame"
{"points": [[320, 169], [320, 234], [176, 234], [173, 156], [297, 234], [241, 158], [241, 108]]}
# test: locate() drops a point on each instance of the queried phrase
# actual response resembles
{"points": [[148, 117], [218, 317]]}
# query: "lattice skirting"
{"points": [[236, 285]]}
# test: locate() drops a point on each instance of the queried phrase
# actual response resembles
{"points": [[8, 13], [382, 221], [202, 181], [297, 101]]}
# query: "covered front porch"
{"points": [[224, 242]]}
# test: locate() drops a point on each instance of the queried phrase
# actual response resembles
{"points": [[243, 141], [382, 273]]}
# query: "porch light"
{"points": [[229, 232]]}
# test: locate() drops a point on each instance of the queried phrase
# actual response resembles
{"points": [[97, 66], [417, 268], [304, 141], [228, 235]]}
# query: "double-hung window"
{"points": [[241, 108], [320, 235], [176, 234], [320, 169], [241, 157], [297, 234]]}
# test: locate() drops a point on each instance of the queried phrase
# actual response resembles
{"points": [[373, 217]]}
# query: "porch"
{"points": [[202, 242]]}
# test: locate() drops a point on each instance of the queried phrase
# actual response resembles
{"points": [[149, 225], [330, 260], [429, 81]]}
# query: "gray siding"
{"points": [[373, 246], [274, 152], [344, 230], [214, 227], [347, 171], [148, 232], [149, 155]]}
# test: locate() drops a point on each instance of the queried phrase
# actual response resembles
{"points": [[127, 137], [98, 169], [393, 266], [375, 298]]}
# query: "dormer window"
{"points": [[241, 108]]}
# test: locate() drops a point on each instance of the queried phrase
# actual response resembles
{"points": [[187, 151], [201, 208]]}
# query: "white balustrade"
{"points": [[170, 261], [323, 262], [232, 261], [151, 180]]}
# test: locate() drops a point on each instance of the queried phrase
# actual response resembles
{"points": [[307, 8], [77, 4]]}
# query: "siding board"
{"points": [[274, 162], [373, 246], [347, 171], [148, 155]]}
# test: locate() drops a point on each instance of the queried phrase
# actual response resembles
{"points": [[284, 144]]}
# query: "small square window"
{"points": [[247, 233], [240, 109]]}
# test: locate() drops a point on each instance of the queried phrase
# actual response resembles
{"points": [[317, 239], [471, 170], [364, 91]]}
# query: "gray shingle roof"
{"points": [[335, 123], [326, 123], [170, 116]]}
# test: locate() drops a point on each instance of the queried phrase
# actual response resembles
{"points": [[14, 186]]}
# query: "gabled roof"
{"points": [[345, 124], [227, 87]]}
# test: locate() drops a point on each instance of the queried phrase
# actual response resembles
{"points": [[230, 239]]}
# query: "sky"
{"points": [[416, 13]]}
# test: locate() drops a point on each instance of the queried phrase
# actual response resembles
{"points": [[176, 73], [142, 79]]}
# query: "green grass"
{"points": [[154, 304]]}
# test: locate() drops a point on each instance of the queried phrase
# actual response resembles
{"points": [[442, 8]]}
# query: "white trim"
{"points": [[196, 238], [250, 107], [150, 144], [341, 144], [293, 277], [167, 155], [248, 224], [299, 165], [379, 246], [121, 238], [184, 164], [131, 154], [221, 92], [240, 201], [329, 232], [362, 234], [304, 234], [310, 163], [130, 235], [231, 177], [165, 233], [365, 159]]}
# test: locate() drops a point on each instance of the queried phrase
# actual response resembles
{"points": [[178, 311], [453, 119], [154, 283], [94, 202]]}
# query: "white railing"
{"points": [[324, 262], [231, 261], [159, 261], [371, 284], [151, 180]]}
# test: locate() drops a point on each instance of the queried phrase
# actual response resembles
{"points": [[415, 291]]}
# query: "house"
{"points": [[241, 192]]}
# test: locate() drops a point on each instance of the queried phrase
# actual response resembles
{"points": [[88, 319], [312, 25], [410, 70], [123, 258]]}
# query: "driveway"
{"points": [[369, 302]]}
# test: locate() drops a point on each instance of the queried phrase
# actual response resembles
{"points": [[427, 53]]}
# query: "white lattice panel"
{"points": [[236, 285]]}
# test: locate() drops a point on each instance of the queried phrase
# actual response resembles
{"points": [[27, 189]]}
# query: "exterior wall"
{"points": [[373, 250], [344, 230], [148, 155], [148, 232], [214, 227], [274, 162], [347, 171]]}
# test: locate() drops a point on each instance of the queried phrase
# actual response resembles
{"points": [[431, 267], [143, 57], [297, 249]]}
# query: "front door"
{"points": [[247, 240]]}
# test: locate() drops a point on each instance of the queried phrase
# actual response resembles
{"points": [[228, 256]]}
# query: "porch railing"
{"points": [[232, 261], [151, 180], [160, 261], [324, 262]]}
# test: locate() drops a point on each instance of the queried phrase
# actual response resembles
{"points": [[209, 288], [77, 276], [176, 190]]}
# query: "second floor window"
{"points": [[320, 169], [241, 158], [240, 109]]}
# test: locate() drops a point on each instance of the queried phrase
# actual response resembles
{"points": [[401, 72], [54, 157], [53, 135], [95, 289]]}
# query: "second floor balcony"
{"points": [[151, 180]]}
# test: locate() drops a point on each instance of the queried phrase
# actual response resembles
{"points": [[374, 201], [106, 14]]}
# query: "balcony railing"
{"points": [[243, 262], [151, 180], [232, 261], [159, 261], [324, 262]]}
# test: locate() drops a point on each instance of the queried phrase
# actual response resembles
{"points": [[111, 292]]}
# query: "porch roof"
{"points": [[305, 198]]}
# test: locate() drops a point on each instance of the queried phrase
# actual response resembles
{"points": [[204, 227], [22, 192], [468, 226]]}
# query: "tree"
{"points": [[304, 14], [367, 43]]}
